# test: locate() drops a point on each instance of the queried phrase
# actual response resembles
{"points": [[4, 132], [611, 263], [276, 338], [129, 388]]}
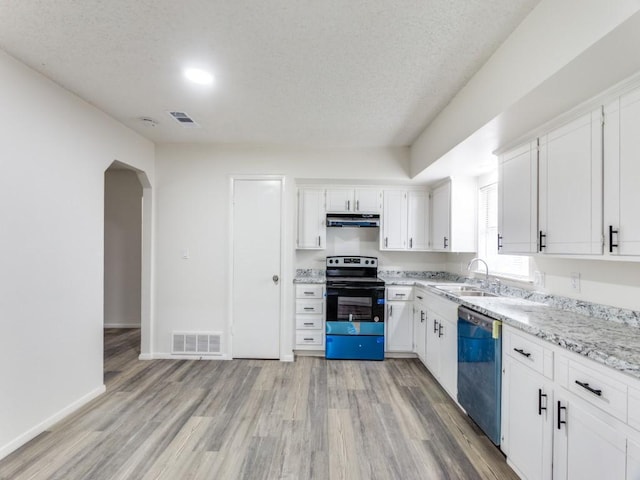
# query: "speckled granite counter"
{"points": [[609, 335], [309, 275]]}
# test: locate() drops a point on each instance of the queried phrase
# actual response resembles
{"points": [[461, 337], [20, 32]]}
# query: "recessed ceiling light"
{"points": [[198, 76]]}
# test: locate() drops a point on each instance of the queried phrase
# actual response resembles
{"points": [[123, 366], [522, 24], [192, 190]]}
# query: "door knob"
{"points": [[275, 278]]}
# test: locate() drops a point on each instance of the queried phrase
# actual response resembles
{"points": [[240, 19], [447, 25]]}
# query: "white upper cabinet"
{"points": [[622, 175], [417, 220], [358, 200], [394, 220], [570, 187], [312, 229], [454, 215], [405, 221], [441, 218], [518, 200]]}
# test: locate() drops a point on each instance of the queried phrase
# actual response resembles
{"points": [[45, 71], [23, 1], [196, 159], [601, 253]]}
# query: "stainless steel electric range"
{"points": [[355, 309]]}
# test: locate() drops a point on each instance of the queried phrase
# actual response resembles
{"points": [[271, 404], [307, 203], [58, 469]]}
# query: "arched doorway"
{"points": [[127, 252]]}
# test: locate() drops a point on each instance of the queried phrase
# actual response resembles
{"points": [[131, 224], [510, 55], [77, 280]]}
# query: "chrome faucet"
{"points": [[479, 260]]}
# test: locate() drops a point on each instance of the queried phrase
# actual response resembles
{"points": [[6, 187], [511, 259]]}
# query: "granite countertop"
{"points": [[608, 335], [612, 343]]}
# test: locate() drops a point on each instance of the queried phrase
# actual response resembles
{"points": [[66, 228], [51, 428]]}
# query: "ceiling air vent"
{"points": [[184, 119]]}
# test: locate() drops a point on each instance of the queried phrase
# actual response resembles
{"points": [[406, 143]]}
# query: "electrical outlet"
{"points": [[184, 253], [538, 279], [575, 281]]}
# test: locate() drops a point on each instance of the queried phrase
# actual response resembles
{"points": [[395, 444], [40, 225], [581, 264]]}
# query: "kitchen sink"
{"points": [[476, 293], [465, 290], [457, 289]]}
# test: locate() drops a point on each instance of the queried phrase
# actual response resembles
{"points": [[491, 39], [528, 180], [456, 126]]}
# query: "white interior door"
{"points": [[256, 240]]}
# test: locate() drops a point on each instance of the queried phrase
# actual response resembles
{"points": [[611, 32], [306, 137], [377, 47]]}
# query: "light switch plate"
{"points": [[538, 279]]}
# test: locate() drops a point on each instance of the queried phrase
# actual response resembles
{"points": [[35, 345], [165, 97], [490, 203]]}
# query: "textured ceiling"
{"points": [[328, 73]]}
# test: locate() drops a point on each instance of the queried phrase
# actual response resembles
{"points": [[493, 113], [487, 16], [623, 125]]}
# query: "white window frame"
{"points": [[516, 267]]}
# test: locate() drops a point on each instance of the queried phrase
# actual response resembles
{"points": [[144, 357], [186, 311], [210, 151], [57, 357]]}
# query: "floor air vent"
{"points": [[196, 343]]}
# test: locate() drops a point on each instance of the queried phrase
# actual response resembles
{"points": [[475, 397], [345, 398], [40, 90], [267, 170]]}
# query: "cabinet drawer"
{"points": [[528, 352], [596, 386], [309, 306], [399, 293], [312, 337], [309, 322], [309, 291]]}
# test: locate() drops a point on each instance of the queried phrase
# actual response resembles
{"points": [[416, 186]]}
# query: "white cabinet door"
{"points": [[588, 445], [448, 337], [622, 175], [368, 200], [633, 459], [399, 337], [417, 220], [340, 200], [394, 220], [420, 326], [433, 342], [527, 413], [441, 217], [518, 200], [312, 229], [571, 187]]}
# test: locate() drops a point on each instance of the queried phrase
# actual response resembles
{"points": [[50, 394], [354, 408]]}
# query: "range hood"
{"points": [[353, 220]]}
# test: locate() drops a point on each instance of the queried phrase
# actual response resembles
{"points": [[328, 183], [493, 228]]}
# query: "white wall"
{"points": [[550, 37], [192, 199], [122, 248], [365, 241], [54, 149]]}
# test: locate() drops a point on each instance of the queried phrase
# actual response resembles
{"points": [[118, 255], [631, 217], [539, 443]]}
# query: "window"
{"points": [[507, 265]]}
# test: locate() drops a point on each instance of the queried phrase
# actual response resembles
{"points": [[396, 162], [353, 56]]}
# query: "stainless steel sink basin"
{"points": [[458, 288], [477, 293], [465, 290]]}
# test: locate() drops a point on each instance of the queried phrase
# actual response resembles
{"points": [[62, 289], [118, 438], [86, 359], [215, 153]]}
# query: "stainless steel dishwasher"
{"points": [[479, 370]]}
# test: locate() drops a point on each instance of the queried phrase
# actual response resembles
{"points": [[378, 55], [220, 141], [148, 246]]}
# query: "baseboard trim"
{"points": [[53, 419], [121, 325], [168, 356], [287, 358]]}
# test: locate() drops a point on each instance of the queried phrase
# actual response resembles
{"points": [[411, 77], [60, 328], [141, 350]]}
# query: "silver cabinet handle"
{"points": [[386, 241], [319, 241], [306, 339], [446, 242], [391, 310], [419, 297], [411, 243], [435, 326], [308, 293], [275, 278], [348, 205], [309, 308], [357, 205], [308, 323], [421, 316]]}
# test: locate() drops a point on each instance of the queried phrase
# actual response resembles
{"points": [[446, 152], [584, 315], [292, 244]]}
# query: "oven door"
{"points": [[355, 304]]}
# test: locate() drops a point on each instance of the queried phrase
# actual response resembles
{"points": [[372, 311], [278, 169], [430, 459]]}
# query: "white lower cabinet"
{"points": [[574, 421], [588, 443], [441, 357], [399, 322], [527, 403], [309, 311], [420, 325]]}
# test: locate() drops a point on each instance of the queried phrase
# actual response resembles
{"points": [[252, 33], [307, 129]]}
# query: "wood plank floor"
{"points": [[250, 419]]}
